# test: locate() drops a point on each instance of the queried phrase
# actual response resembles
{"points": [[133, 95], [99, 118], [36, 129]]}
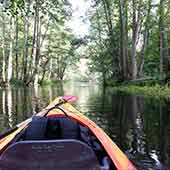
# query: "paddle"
{"points": [[63, 100]]}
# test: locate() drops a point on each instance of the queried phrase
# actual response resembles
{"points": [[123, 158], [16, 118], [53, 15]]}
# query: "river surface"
{"points": [[139, 125]]}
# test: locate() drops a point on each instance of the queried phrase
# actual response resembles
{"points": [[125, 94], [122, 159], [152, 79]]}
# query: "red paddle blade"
{"points": [[70, 98]]}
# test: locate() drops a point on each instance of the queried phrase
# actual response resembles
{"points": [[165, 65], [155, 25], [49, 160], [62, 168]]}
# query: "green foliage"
{"points": [[153, 91], [105, 54], [17, 83], [103, 46], [57, 49]]}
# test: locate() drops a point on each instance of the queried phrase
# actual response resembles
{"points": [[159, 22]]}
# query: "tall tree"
{"points": [[10, 58], [16, 46], [145, 39], [25, 48], [3, 43], [162, 36], [136, 16], [35, 44], [123, 39]]}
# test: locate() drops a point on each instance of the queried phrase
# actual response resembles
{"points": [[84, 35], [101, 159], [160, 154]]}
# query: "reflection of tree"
{"points": [[16, 110], [5, 123], [9, 118], [164, 132], [50, 94], [60, 90], [9, 106], [136, 116], [35, 99], [130, 121], [156, 143], [24, 96], [17, 104]]}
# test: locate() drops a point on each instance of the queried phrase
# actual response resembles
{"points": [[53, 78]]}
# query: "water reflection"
{"points": [[139, 125]]}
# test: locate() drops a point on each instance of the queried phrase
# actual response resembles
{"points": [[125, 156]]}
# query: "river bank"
{"points": [[20, 83], [159, 91]]}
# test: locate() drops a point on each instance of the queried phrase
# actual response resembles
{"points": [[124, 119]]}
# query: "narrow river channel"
{"points": [[139, 125]]}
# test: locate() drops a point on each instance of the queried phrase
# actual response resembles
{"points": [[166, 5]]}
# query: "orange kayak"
{"points": [[60, 138]]}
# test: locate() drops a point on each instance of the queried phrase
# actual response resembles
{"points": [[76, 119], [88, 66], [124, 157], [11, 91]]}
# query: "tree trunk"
{"points": [[142, 59], [145, 41], [123, 40], [58, 68], [104, 78], [25, 49], [16, 48], [44, 71], [36, 75], [11, 50], [35, 46], [62, 70], [51, 68], [108, 16], [100, 41], [134, 42], [43, 76], [31, 62], [3, 48], [107, 12], [162, 39], [37, 59]]}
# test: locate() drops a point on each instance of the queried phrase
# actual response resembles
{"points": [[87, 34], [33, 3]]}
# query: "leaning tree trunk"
{"points": [[3, 48], [40, 44], [11, 50], [35, 47]]}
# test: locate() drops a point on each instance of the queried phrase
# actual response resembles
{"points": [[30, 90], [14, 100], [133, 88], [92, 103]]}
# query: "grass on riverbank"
{"points": [[53, 82], [20, 83], [155, 90], [50, 82]]}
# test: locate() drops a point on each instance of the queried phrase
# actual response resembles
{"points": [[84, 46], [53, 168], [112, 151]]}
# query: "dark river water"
{"points": [[139, 125]]}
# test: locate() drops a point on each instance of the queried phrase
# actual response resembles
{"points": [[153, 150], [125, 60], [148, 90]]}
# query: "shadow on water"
{"points": [[139, 125]]}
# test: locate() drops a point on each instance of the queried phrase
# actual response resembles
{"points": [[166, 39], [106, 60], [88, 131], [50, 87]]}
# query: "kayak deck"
{"points": [[65, 123]]}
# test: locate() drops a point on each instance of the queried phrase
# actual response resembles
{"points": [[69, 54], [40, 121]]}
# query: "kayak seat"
{"points": [[65, 154], [63, 128]]}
